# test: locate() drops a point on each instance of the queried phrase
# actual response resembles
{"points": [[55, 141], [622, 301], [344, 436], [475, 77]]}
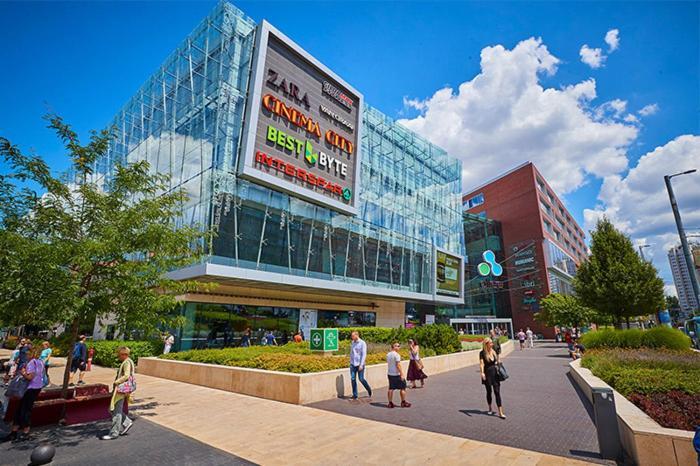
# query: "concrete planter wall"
{"points": [[294, 388], [643, 439]]}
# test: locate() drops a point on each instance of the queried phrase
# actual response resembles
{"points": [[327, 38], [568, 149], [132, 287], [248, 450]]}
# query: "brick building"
{"points": [[543, 244]]}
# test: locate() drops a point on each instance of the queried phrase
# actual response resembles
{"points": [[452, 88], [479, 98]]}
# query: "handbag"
{"points": [[17, 387], [501, 372], [128, 387]]}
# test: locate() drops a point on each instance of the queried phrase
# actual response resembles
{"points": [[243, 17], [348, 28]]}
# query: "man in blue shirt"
{"points": [[358, 355], [79, 361]]}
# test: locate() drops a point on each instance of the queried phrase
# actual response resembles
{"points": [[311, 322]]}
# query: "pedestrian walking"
{"points": [[496, 342], [45, 357], [488, 363], [397, 381], [25, 345], [124, 385], [245, 339], [297, 337], [415, 365], [270, 338], [27, 388], [169, 342], [79, 362], [358, 355], [530, 336], [521, 338]]}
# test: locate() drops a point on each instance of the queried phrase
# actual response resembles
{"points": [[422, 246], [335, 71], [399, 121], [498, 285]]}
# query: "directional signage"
{"points": [[324, 339]]}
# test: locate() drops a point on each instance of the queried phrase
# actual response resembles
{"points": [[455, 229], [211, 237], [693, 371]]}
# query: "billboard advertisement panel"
{"points": [[448, 274], [303, 125]]}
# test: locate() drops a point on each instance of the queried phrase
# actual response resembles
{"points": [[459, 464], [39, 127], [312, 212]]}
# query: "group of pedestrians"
{"points": [[526, 336]]}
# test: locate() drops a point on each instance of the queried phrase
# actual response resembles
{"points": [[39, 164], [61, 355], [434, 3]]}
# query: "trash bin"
{"points": [[606, 423]]}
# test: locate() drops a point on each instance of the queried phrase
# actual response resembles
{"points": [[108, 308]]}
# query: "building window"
{"points": [[540, 185], [546, 207], [474, 201], [548, 226], [560, 223]]}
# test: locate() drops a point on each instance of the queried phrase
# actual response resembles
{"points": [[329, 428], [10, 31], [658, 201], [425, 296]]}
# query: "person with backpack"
{"points": [[79, 362], [124, 385]]}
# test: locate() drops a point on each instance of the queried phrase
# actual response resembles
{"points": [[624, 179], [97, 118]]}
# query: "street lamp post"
{"points": [[641, 251], [681, 233]]}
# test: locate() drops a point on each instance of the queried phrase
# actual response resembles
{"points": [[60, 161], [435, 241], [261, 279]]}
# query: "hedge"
{"points": [[438, 338], [292, 357], [646, 371], [657, 337], [106, 350]]}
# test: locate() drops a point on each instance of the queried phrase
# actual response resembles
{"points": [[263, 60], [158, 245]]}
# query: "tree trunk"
{"points": [[618, 322], [628, 322], [75, 326]]}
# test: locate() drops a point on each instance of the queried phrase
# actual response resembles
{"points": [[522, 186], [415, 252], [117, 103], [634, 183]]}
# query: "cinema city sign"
{"points": [[303, 125]]}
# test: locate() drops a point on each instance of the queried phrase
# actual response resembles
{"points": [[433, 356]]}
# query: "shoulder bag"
{"points": [[128, 387], [17, 387], [501, 373]]}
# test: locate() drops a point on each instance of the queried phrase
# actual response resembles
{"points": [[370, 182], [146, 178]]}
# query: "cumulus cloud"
{"points": [[504, 116], [592, 57], [638, 203], [648, 110], [612, 38]]}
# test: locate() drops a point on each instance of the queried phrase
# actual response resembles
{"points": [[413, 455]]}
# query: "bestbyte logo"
{"points": [[309, 154], [489, 265]]}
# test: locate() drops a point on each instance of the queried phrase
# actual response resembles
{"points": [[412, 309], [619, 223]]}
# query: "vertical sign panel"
{"points": [[303, 125]]}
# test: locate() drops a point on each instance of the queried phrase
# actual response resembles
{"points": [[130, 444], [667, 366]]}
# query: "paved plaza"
{"points": [[544, 411], [273, 433]]}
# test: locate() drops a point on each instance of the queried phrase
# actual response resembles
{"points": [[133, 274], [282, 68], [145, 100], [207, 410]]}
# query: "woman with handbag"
{"points": [[488, 362], [26, 385], [124, 386], [415, 365]]}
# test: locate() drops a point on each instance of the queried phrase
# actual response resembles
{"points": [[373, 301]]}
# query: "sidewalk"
{"points": [[269, 432]]}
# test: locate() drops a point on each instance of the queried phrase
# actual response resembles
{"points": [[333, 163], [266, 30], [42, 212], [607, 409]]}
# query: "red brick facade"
{"points": [[519, 200]]}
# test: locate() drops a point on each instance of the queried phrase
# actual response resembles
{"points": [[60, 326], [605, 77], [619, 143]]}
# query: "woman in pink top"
{"points": [[33, 371]]}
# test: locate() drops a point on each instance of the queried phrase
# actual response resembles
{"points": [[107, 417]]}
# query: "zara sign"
{"points": [[303, 125]]}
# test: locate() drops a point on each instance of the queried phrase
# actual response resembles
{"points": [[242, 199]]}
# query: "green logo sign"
{"points": [[323, 339], [347, 193], [490, 265], [309, 154]]}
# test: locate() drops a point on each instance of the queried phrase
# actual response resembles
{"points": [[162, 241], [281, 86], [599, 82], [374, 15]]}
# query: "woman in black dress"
{"points": [[488, 362]]}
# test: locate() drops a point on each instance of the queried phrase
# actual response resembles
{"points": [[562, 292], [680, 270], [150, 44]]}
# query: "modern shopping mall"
{"points": [[326, 212]]}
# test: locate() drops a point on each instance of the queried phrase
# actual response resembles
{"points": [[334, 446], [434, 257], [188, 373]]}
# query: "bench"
{"points": [[86, 403]]}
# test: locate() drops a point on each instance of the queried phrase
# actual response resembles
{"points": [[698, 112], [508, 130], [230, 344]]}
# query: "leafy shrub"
{"points": [[675, 409], [439, 338], [657, 337], [106, 350], [11, 342]]}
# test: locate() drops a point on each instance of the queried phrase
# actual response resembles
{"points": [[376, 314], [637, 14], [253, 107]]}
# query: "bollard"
{"points": [[43, 454], [606, 423]]}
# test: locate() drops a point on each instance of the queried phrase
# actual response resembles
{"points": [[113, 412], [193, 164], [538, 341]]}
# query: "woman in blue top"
{"points": [[45, 357]]}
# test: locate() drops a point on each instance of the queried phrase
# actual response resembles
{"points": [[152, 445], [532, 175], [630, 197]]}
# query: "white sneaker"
{"points": [[126, 429], [107, 437]]}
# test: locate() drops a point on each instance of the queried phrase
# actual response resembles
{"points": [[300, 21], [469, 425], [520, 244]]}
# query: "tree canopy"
{"points": [[566, 310], [90, 244], [614, 280]]}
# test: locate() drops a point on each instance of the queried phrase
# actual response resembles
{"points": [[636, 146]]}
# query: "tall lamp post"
{"points": [[641, 251], [681, 233]]}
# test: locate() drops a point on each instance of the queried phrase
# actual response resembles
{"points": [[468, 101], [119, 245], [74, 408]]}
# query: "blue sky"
{"points": [[84, 60]]}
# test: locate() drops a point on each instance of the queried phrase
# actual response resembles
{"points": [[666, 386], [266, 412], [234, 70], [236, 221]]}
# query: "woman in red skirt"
{"points": [[415, 366]]}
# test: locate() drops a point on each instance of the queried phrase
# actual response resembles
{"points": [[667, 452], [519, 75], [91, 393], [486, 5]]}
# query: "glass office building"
{"points": [[276, 254]]}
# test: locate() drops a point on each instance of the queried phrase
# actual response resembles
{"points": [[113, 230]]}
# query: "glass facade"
{"points": [[187, 120], [483, 296]]}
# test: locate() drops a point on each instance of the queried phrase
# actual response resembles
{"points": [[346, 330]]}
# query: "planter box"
{"points": [[645, 441], [294, 388]]}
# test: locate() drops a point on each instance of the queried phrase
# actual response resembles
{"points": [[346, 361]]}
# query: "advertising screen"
{"points": [[448, 274], [303, 125]]}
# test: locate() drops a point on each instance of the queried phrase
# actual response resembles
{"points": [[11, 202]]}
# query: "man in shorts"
{"points": [[79, 362], [397, 380]]}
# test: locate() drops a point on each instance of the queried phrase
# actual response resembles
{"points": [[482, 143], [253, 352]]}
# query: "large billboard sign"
{"points": [[303, 125], [448, 274]]}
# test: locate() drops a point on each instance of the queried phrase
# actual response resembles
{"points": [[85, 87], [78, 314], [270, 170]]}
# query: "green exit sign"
{"points": [[324, 339]]}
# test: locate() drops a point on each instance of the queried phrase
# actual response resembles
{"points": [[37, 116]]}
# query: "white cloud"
{"points": [[648, 110], [638, 204], [592, 57], [670, 290], [612, 38], [504, 116]]}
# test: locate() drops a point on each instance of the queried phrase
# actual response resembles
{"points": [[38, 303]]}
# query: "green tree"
{"points": [[566, 310], [72, 248], [614, 280]]}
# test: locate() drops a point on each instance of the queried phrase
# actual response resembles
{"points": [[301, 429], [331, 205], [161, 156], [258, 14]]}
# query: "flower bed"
{"points": [[663, 383], [292, 357]]}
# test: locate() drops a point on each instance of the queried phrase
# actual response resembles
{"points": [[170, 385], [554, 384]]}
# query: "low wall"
{"points": [[294, 388], [642, 438]]}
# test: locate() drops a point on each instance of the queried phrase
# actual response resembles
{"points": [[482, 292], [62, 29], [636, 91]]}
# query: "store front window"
{"points": [[333, 319]]}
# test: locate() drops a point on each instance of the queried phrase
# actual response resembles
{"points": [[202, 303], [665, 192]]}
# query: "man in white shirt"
{"points": [[358, 354], [530, 336], [397, 381], [169, 342]]}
